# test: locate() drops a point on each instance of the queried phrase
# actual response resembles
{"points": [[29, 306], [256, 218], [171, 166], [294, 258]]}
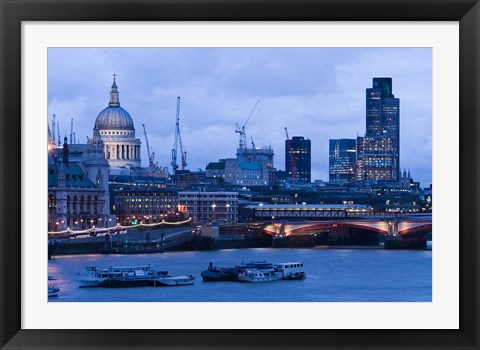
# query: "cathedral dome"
{"points": [[114, 117]]}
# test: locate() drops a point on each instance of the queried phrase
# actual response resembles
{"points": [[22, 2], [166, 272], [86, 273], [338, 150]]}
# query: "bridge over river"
{"points": [[406, 232]]}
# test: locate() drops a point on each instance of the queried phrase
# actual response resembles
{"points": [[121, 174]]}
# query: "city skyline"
{"points": [[315, 93]]}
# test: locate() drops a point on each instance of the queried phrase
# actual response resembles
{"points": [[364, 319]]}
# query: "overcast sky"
{"points": [[315, 92]]}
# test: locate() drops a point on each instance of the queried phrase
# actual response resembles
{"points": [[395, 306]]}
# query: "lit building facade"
{"points": [[383, 121], [376, 159], [144, 204], [342, 160], [298, 157], [207, 207]]}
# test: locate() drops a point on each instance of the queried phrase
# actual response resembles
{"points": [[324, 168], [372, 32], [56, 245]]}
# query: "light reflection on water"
{"points": [[333, 275]]}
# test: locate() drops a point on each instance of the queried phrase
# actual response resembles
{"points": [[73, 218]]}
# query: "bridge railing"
{"points": [[333, 214]]}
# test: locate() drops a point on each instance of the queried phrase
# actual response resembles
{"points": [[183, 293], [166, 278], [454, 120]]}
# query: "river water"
{"points": [[355, 274]]}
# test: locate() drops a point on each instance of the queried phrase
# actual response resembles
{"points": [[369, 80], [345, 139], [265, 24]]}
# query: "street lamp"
{"points": [[228, 212], [213, 212]]}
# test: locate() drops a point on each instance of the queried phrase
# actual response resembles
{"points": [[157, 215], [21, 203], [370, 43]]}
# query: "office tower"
{"points": [[376, 159], [382, 121], [298, 159], [342, 158]]}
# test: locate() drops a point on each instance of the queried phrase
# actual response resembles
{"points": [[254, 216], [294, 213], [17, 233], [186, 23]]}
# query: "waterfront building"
{"points": [[298, 159], [342, 160], [383, 119], [77, 189], [114, 133], [144, 204], [209, 207]]}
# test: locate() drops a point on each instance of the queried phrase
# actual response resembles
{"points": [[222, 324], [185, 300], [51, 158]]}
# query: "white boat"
{"points": [[53, 291], [166, 280], [257, 275], [94, 277], [265, 272], [293, 270], [120, 276]]}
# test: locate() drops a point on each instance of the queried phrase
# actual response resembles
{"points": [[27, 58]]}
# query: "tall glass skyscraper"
{"points": [[342, 157], [382, 121]]}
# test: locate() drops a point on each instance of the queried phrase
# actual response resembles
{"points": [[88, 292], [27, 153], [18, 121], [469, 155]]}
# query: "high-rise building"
{"points": [[342, 160], [382, 121], [376, 159], [298, 159]]}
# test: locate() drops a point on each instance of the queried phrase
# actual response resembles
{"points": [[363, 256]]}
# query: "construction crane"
{"points": [[241, 130], [293, 166], [151, 154], [178, 143]]}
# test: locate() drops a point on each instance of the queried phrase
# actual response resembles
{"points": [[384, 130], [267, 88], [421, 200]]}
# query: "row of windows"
{"points": [[139, 206], [143, 195], [207, 196], [168, 199], [210, 208]]}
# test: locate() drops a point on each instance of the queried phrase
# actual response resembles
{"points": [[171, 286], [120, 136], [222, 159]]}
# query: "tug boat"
{"points": [[216, 274], [166, 280], [115, 277]]}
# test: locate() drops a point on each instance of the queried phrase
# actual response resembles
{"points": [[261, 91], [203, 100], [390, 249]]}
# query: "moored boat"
{"points": [[216, 274], [293, 270], [258, 275], [166, 280], [258, 271], [122, 276]]}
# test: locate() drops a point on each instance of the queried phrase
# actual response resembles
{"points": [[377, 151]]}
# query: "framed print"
{"points": [[57, 57]]}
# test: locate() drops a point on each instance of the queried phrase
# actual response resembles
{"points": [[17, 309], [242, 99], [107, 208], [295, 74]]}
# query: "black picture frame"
{"points": [[13, 12]]}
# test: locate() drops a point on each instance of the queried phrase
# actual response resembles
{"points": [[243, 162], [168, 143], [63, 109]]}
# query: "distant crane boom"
{"points": [[286, 133], [151, 155], [178, 142], [243, 135]]}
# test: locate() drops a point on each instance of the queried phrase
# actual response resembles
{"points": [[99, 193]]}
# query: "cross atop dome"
{"points": [[114, 101]]}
